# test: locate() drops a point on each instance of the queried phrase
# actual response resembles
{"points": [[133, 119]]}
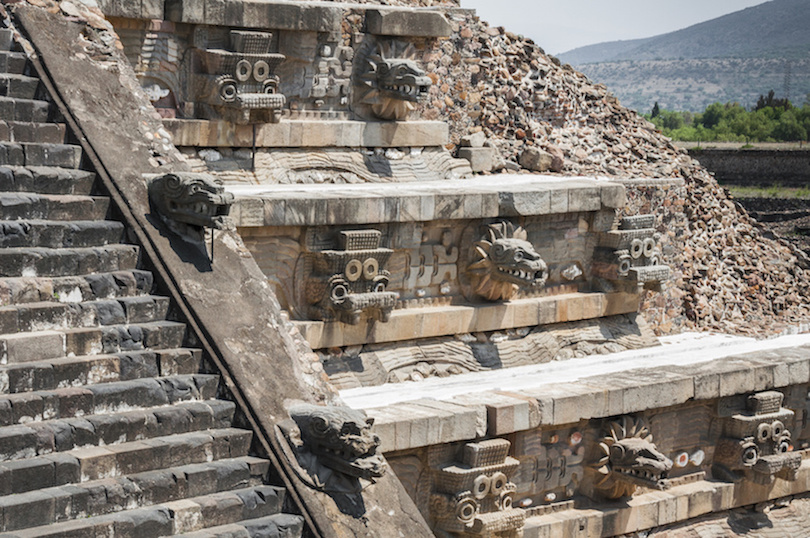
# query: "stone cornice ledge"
{"points": [[566, 392], [502, 195]]}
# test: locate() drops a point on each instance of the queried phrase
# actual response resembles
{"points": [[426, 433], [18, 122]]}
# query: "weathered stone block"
{"points": [[535, 159], [407, 23], [481, 159]]}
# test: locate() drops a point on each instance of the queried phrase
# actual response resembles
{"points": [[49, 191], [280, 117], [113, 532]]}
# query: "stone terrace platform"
{"points": [[500, 195]]}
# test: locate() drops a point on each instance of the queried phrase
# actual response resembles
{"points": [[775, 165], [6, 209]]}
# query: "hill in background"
{"points": [[736, 57]]}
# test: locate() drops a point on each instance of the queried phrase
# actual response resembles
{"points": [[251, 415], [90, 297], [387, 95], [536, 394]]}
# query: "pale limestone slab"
{"points": [[308, 134], [407, 324]]}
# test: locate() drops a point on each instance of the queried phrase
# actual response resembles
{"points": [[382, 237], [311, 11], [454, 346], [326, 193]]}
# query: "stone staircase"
{"points": [[107, 425]]}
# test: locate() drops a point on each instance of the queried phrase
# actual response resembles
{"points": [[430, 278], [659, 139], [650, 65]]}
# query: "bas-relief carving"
{"points": [[631, 254], [473, 493], [332, 447], [551, 465], [373, 365], [189, 202], [433, 265], [388, 80], [239, 84], [756, 443], [350, 282], [503, 261], [624, 458]]}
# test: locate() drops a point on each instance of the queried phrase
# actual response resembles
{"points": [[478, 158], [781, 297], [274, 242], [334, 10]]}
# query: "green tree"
{"points": [[656, 110]]}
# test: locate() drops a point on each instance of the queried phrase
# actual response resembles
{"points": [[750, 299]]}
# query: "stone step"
{"points": [[6, 39], [46, 180], [28, 205], [35, 154], [99, 462], [51, 315], [175, 517], [31, 110], [57, 233], [12, 62], [275, 526], [44, 133], [95, 369], [37, 261], [17, 348], [49, 437], [105, 398], [122, 494], [75, 289], [14, 85]]}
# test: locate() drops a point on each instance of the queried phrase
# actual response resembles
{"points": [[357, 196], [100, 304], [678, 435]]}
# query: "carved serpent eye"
{"points": [[617, 452], [319, 425]]}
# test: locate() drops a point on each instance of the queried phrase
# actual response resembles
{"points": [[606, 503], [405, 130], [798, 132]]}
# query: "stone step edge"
{"points": [[183, 514], [161, 355], [659, 508], [256, 467], [425, 422]]}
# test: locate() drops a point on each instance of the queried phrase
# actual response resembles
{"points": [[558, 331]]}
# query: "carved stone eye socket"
{"points": [[465, 510], [228, 92], [636, 248], [261, 71], [379, 287], [353, 270], [243, 70], [269, 86], [481, 486], [648, 248], [519, 255], [750, 455], [783, 446], [625, 263], [763, 432], [777, 429], [370, 268]]}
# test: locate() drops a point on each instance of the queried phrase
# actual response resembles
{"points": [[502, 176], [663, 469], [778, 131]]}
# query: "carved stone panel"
{"points": [[624, 458], [473, 494], [502, 262], [388, 81], [237, 84], [631, 254], [350, 281], [756, 443]]}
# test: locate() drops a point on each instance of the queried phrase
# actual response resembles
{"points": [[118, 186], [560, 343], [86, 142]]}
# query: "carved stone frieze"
{"points": [[631, 253], [756, 444], [472, 494], [239, 84], [333, 447], [189, 202], [624, 458], [388, 80], [351, 281], [503, 261]]}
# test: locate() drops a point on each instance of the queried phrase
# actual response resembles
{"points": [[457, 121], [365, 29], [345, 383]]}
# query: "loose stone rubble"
{"points": [[729, 274]]}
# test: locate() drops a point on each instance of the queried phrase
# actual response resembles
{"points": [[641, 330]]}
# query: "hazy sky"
{"points": [[561, 25]]}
